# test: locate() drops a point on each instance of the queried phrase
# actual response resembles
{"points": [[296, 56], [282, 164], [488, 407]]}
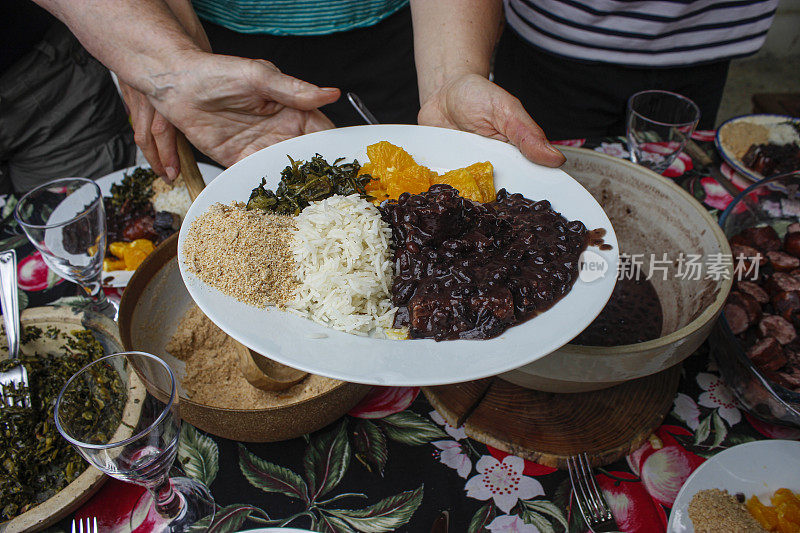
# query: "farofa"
{"points": [[716, 511], [244, 254], [213, 376]]}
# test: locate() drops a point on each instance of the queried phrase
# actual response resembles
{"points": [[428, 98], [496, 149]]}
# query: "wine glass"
{"points": [[65, 220], [97, 411], [658, 125]]}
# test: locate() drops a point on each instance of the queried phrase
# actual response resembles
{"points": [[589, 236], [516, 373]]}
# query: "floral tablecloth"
{"points": [[393, 463]]}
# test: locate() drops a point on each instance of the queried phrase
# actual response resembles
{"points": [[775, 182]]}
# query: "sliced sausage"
{"points": [[748, 254], [737, 318], [781, 281], [763, 238], [139, 228], [791, 244], [749, 304], [784, 379], [778, 327], [753, 290], [783, 262], [767, 354], [786, 303]]}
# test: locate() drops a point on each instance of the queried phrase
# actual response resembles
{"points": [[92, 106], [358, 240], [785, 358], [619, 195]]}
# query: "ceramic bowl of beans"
{"points": [[684, 270]]}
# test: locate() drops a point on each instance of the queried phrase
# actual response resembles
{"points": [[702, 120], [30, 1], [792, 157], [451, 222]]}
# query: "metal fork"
{"points": [[12, 380], [593, 506], [91, 526]]}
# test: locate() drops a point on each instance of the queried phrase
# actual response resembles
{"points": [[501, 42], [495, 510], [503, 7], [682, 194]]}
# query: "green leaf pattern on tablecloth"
{"points": [[540, 513], [407, 427], [326, 460], [369, 446], [227, 519], [386, 515], [198, 454], [270, 477], [482, 518], [325, 463]]}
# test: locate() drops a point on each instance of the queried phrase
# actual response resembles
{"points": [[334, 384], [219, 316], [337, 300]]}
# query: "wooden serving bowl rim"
{"points": [[708, 314], [164, 253]]}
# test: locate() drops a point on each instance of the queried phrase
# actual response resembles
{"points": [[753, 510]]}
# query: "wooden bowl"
{"points": [[152, 306], [71, 497], [651, 215]]}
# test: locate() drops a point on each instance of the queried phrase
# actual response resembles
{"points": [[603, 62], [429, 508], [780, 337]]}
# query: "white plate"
{"points": [[120, 278], [755, 468], [766, 120], [292, 340]]}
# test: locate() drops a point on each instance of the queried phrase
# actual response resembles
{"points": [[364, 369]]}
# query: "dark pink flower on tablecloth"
{"points": [[737, 179], [384, 401], [704, 135], [570, 142], [633, 508], [716, 195], [531, 468], [120, 507], [663, 464], [679, 167], [33, 274], [773, 431]]}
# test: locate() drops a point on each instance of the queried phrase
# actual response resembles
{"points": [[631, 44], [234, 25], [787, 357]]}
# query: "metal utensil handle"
{"points": [[10, 301], [362, 110]]}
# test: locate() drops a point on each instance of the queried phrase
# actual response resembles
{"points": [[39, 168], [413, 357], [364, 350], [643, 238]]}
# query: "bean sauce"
{"points": [[469, 270], [633, 314]]}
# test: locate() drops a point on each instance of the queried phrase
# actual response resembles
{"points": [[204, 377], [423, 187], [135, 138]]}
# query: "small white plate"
{"points": [[754, 469], [314, 348], [120, 278], [766, 120]]}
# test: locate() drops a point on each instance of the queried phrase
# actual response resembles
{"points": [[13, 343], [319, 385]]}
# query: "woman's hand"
{"points": [[472, 103], [153, 133], [230, 107]]}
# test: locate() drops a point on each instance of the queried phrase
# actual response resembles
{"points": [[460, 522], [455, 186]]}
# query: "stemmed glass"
{"points": [[658, 125], [65, 220], [96, 412]]}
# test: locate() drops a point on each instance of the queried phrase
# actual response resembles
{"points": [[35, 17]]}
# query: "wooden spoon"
{"points": [[259, 371]]}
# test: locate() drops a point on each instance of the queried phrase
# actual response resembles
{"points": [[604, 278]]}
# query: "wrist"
{"points": [[440, 83], [163, 78]]}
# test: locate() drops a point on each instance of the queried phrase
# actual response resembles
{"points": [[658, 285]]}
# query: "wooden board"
{"points": [[548, 428]]}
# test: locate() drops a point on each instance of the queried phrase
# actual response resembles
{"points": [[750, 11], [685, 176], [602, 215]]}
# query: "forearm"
{"points": [[453, 37], [142, 41], [184, 12]]}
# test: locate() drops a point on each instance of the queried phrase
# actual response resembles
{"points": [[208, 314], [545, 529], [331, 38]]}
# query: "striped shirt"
{"points": [[653, 33], [296, 17]]}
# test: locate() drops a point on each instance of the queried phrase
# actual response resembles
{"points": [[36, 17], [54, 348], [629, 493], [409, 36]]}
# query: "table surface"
{"points": [[396, 463]]}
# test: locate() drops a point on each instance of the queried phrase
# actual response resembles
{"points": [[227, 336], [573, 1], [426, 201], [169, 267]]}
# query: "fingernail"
{"points": [[552, 148], [329, 89], [172, 173]]}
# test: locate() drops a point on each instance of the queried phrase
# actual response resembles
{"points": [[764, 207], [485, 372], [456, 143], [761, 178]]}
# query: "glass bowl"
{"points": [[773, 202]]}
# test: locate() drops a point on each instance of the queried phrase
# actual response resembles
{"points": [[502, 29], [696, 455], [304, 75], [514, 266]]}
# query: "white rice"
{"points": [[783, 133], [344, 266], [176, 200]]}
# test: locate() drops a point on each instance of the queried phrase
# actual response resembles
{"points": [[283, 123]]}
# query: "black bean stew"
{"points": [[468, 270]]}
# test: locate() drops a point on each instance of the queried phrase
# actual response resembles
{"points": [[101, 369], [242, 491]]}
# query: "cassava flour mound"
{"points": [[344, 265]]}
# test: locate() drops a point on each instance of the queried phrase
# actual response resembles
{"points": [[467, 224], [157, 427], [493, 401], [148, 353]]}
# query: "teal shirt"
{"points": [[296, 17]]}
